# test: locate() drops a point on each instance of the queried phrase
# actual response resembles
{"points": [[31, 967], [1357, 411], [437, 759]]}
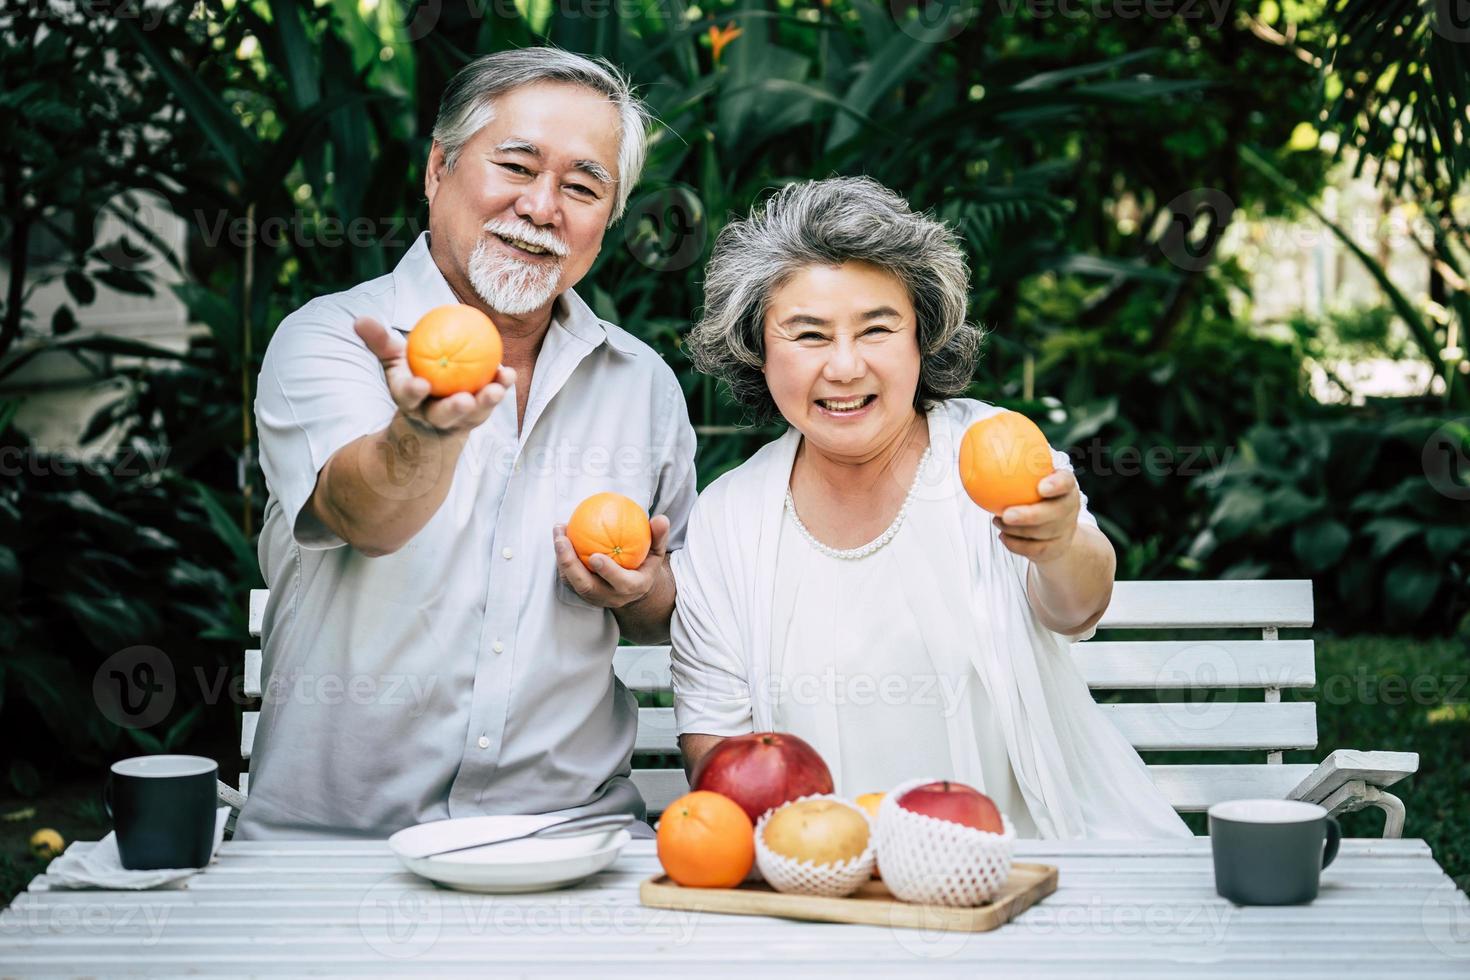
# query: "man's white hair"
{"points": [[469, 103]]}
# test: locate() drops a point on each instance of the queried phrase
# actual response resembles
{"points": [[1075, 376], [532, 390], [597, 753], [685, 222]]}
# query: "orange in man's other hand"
{"points": [[1002, 460], [706, 841], [455, 348], [610, 524]]}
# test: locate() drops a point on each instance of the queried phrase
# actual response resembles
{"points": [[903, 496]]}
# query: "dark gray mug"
{"points": [[162, 807], [1271, 852]]}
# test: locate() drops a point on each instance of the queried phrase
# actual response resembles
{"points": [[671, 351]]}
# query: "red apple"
{"points": [[762, 770], [956, 803]]}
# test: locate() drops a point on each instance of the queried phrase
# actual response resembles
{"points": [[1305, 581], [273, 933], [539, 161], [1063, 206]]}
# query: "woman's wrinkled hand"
{"points": [[1043, 531]]}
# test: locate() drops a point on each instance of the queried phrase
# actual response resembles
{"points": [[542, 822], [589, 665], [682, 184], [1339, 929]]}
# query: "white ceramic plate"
{"points": [[518, 866]]}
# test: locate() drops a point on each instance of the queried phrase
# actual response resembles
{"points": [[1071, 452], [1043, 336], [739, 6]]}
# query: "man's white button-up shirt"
{"points": [[457, 676]]}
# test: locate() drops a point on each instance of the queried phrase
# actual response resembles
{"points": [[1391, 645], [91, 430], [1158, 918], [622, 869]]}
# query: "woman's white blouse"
{"points": [[968, 612], [850, 656]]}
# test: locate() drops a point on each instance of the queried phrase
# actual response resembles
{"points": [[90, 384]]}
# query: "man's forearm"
{"points": [[378, 491], [1071, 592], [647, 620]]}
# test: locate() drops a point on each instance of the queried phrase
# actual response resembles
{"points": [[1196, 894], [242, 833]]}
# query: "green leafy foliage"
{"points": [[102, 553], [1349, 501]]}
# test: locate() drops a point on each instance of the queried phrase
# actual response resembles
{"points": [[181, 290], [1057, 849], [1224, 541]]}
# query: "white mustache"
{"points": [[529, 234]]}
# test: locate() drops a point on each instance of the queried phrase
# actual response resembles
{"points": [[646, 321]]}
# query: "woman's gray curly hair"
{"points": [[828, 222]]}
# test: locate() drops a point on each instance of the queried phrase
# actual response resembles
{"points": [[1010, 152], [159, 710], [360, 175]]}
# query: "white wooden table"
{"points": [[1122, 909]]}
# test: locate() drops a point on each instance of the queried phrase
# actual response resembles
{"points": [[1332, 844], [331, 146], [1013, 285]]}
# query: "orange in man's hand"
{"points": [[610, 524], [705, 840], [1002, 459], [455, 348]]}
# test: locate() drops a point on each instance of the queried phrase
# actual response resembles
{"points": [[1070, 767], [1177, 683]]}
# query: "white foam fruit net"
{"points": [[806, 878], [937, 862]]}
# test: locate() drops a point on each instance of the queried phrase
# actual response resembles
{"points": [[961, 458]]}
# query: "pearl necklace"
{"points": [[862, 551]]}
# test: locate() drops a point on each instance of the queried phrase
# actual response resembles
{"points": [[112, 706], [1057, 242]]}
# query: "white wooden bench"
{"points": [[1257, 670]]}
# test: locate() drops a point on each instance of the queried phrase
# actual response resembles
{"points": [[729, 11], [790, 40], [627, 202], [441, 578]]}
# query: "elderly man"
{"points": [[433, 647]]}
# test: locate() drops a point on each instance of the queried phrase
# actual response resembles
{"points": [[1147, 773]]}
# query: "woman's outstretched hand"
{"points": [[1043, 531]]}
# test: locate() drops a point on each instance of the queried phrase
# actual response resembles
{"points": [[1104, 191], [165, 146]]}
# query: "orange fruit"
{"points": [[47, 843], [705, 840], [1002, 459], [613, 525], [456, 348]]}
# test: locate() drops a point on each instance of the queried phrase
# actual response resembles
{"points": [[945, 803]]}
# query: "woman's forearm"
{"points": [[1071, 591]]}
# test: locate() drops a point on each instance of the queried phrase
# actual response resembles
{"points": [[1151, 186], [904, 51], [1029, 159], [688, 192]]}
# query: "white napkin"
{"points": [[101, 866]]}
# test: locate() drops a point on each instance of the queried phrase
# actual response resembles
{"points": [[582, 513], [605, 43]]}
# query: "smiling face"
{"points": [[842, 357], [520, 217]]}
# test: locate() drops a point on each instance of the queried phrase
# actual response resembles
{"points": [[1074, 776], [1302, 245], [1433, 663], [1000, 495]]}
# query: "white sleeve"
{"points": [[319, 389], [676, 492], [1084, 518], [710, 680], [1063, 462]]}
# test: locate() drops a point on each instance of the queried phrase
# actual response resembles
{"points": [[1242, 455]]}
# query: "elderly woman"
{"points": [[840, 585]]}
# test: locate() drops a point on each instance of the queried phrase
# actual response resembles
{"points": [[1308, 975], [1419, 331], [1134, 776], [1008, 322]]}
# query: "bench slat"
{"points": [[1243, 603], [252, 673], [248, 721], [1196, 605], [1174, 726], [257, 609], [1148, 727], [1163, 665], [1146, 664], [643, 668], [660, 787], [1381, 769], [1189, 789], [1172, 665]]}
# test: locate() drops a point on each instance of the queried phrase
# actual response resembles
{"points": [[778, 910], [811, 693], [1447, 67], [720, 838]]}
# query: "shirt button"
{"points": [[498, 647], [484, 742], [507, 554]]}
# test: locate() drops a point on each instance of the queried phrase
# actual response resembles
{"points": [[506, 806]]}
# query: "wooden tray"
{"points": [[871, 904]]}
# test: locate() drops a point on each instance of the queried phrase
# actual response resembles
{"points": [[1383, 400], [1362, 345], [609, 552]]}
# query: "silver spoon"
{"points": [[574, 827]]}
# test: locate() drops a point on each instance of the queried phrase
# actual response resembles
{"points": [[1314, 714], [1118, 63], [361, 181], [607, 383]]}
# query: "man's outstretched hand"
{"points": [[453, 414]]}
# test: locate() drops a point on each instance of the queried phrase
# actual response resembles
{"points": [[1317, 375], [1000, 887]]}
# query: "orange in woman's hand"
{"points": [[705, 840], [610, 524], [455, 348], [1002, 460]]}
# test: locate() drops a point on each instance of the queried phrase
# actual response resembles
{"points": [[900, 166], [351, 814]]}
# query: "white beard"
{"points": [[510, 286]]}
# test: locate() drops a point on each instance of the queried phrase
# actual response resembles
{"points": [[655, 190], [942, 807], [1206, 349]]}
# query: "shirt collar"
{"points": [[419, 286]]}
